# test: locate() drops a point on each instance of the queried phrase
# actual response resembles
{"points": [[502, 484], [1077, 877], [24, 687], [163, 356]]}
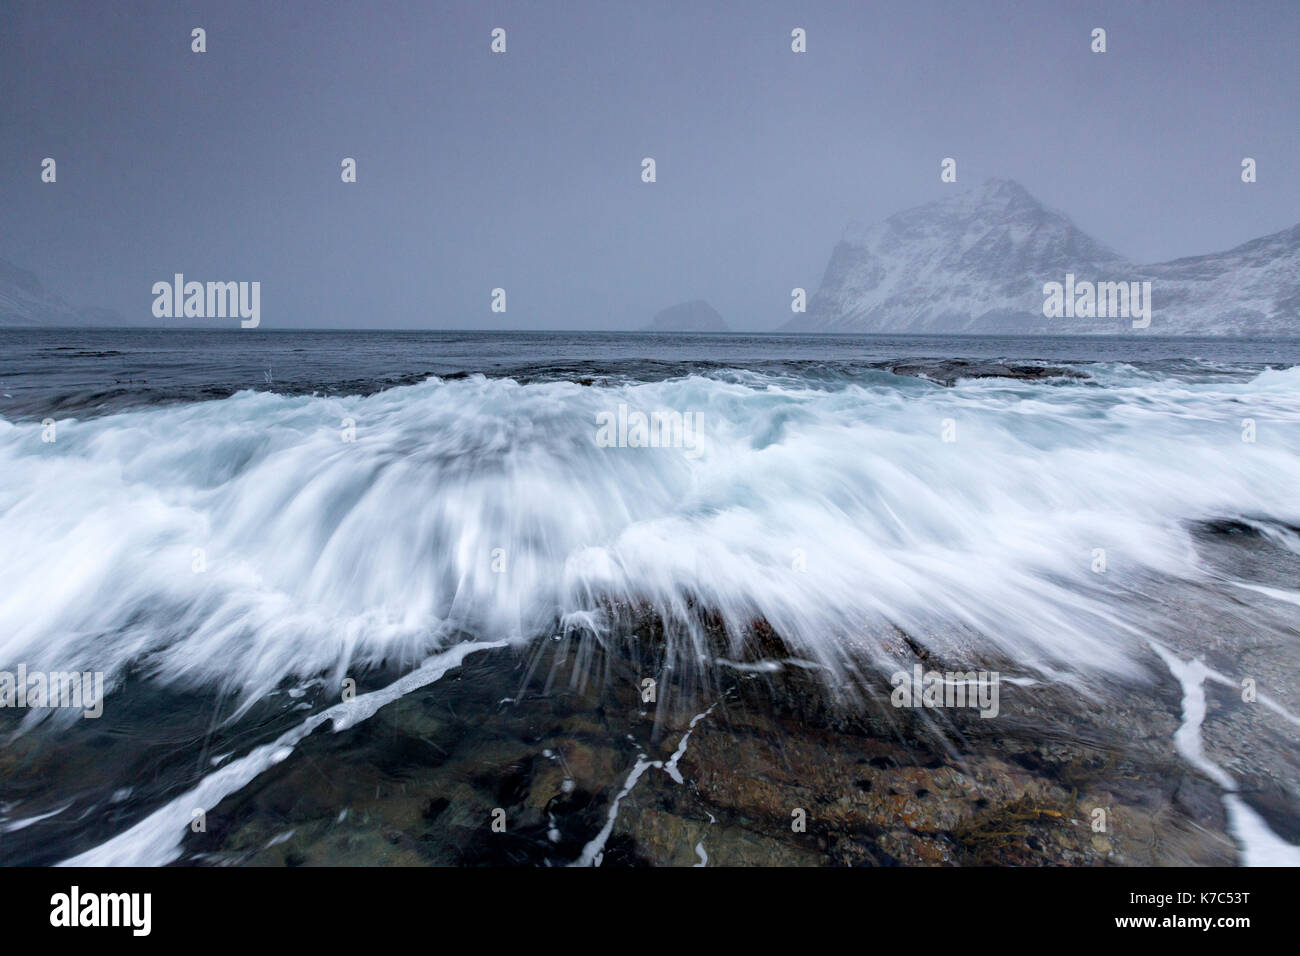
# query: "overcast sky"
{"points": [[523, 170]]}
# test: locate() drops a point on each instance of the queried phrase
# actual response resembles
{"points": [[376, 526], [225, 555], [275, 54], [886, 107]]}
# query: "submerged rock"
{"points": [[768, 773]]}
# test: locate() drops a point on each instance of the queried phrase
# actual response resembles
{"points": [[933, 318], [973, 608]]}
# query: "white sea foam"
{"points": [[1258, 844], [156, 840], [594, 851], [321, 554]]}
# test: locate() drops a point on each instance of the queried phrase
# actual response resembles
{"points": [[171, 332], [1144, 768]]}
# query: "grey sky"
{"points": [[522, 170]]}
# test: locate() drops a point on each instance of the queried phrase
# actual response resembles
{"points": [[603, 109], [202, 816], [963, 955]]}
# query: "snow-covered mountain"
{"points": [[1253, 289], [696, 316], [25, 302], [978, 261]]}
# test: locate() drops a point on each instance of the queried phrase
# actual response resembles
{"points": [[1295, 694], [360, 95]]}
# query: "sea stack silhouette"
{"points": [[694, 316]]}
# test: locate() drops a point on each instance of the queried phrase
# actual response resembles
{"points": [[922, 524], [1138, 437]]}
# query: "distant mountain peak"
{"points": [[976, 260], [999, 213], [25, 302], [20, 278], [1009, 189]]}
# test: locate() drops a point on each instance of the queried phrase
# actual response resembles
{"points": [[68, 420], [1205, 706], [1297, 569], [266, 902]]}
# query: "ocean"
{"points": [[464, 598]]}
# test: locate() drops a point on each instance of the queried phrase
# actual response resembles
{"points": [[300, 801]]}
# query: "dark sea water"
{"points": [[356, 597], [79, 372]]}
